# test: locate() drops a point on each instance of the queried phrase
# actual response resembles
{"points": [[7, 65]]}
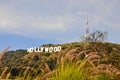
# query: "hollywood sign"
{"points": [[44, 49]]}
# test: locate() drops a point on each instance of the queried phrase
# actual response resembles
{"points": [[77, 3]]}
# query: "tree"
{"points": [[97, 36]]}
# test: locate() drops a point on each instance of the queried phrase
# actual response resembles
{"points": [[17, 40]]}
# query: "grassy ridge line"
{"points": [[36, 65]]}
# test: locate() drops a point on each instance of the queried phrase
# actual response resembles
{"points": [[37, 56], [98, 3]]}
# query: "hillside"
{"points": [[29, 66]]}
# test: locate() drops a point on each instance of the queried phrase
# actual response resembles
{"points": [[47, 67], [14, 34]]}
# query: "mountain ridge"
{"points": [[42, 63]]}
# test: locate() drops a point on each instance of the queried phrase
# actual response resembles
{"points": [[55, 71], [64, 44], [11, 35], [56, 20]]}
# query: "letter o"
{"points": [[51, 49]]}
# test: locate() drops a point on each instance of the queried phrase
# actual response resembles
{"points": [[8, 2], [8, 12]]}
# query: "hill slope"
{"points": [[42, 63]]}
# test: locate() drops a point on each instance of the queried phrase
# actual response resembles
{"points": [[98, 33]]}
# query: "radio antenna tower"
{"points": [[87, 29], [87, 32]]}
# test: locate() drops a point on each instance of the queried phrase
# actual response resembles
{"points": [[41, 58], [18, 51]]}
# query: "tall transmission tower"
{"points": [[87, 31]]}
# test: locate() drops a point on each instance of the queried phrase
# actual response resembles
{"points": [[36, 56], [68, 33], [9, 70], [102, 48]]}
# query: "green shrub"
{"points": [[71, 71]]}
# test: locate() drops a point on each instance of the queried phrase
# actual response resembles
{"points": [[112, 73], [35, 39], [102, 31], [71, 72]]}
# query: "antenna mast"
{"points": [[87, 32], [87, 29]]}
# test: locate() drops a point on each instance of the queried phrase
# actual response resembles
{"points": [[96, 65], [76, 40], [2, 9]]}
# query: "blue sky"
{"points": [[27, 23]]}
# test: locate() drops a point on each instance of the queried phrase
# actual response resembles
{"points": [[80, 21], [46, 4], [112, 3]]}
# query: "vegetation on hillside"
{"points": [[76, 61]]}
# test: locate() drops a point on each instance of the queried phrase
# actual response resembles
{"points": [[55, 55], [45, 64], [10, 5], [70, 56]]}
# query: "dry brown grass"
{"points": [[93, 59], [1, 55], [47, 67], [108, 69], [94, 56], [3, 52], [48, 74], [3, 72], [83, 52], [70, 54]]}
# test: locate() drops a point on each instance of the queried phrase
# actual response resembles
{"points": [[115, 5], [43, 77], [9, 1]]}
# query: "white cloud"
{"points": [[19, 17], [24, 24]]}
